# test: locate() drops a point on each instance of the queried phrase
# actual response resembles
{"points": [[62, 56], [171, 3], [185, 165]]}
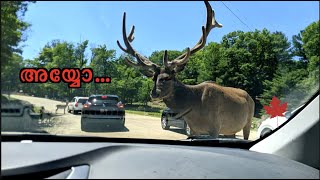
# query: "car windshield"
{"points": [[215, 69]]}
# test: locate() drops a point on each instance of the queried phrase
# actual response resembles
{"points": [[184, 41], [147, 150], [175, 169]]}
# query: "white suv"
{"points": [[76, 104], [268, 125]]}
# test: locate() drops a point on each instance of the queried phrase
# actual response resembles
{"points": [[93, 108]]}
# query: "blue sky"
{"points": [[159, 25]]}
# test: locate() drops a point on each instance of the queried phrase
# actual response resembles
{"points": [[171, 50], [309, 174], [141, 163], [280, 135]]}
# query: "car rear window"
{"points": [[82, 100], [98, 100]]}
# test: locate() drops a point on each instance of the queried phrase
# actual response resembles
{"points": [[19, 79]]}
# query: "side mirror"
{"points": [[287, 114]]}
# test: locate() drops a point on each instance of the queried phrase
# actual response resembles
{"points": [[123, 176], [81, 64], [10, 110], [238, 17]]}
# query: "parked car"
{"points": [[76, 104], [168, 119], [268, 125], [102, 110]]}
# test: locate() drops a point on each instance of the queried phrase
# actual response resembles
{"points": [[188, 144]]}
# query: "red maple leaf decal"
{"points": [[275, 109]]}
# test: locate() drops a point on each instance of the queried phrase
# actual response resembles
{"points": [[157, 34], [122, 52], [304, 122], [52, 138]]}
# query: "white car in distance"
{"points": [[76, 104], [270, 124]]}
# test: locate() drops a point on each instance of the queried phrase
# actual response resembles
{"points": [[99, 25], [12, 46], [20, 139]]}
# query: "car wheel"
{"points": [[187, 129], [164, 122], [265, 132]]}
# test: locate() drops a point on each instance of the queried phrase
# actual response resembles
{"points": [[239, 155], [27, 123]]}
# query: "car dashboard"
{"points": [[115, 158]]}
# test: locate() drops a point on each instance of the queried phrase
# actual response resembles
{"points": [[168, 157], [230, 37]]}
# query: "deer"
{"points": [[208, 108], [61, 106]]}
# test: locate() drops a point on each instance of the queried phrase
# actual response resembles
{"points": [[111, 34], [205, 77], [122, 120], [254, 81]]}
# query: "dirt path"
{"points": [[137, 126]]}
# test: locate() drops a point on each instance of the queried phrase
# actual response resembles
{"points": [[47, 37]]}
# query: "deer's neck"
{"points": [[180, 98]]}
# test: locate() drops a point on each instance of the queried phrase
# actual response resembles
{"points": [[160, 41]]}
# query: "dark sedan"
{"points": [[103, 110], [168, 119]]}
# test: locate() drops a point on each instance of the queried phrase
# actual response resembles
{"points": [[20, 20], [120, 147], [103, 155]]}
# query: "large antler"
{"points": [[148, 67], [179, 63]]}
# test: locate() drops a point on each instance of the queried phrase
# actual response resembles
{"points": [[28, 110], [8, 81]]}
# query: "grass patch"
{"points": [[145, 113], [159, 104], [141, 109]]}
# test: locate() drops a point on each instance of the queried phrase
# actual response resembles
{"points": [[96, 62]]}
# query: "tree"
{"points": [[297, 49], [12, 28], [101, 63], [190, 73], [248, 59], [296, 81], [311, 46], [311, 40], [209, 60], [101, 60], [79, 54], [10, 74]]}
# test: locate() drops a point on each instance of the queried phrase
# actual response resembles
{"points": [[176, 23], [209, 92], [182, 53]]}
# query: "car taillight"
{"points": [[86, 105], [76, 104]]}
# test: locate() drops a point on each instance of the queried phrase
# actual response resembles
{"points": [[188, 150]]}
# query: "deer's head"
{"points": [[164, 77]]}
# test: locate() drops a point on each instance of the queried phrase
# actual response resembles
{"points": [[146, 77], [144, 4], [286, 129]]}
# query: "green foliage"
{"points": [[12, 28], [283, 84], [10, 74], [79, 54], [311, 40], [157, 56], [145, 113], [300, 80], [190, 73]]}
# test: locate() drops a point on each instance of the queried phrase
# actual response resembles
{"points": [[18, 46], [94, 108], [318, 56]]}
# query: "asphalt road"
{"points": [[136, 126]]}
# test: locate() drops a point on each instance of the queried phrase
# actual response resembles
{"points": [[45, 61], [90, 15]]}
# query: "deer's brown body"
{"points": [[212, 109]]}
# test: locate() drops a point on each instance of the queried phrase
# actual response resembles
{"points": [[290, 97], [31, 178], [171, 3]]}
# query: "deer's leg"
{"points": [[214, 133], [214, 125], [247, 127], [214, 128]]}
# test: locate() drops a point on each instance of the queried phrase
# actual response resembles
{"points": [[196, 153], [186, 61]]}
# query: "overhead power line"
{"points": [[236, 15]]}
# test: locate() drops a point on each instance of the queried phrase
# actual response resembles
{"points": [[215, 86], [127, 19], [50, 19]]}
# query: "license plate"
{"points": [[103, 110]]}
